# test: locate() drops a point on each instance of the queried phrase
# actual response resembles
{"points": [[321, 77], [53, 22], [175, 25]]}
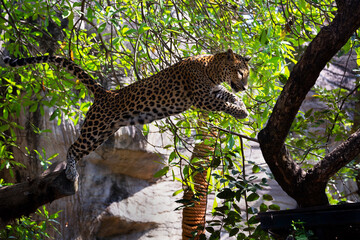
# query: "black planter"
{"points": [[326, 222]]}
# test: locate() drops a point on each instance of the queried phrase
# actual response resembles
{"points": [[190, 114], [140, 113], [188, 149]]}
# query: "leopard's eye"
{"points": [[239, 72]]}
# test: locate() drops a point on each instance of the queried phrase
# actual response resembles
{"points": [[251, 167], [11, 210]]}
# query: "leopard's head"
{"points": [[235, 70]]}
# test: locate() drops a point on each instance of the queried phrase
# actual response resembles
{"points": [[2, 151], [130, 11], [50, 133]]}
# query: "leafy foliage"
{"points": [[139, 38], [300, 232], [27, 228]]}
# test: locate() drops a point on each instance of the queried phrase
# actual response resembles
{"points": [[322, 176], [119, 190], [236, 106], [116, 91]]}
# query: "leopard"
{"points": [[192, 82]]}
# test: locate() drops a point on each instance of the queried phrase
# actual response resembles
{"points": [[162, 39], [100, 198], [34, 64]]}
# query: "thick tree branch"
{"points": [[24, 198], [303, 77], [335, 160], [340, 4]]}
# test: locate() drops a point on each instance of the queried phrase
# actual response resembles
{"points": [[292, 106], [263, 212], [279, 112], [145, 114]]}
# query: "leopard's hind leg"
{"points": [[96, 129]]}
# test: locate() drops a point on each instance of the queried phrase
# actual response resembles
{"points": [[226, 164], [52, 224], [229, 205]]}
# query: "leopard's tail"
{"points": [[70, 66]]}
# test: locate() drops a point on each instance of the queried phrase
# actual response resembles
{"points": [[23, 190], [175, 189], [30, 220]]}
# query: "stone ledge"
{"points": [[135, 163], [111, 226]]}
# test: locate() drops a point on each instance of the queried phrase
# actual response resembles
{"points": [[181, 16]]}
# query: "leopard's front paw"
{"points": [[243, 113], [240, 104]]}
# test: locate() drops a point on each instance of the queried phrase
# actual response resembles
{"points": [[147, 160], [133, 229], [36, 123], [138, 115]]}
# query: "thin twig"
{"points": [[231, 132], [244, 177], [255, 140]]}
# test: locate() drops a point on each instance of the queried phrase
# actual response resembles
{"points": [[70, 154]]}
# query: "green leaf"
{"points": [[237, 208], [263, 207], [255, 169], [11, 172], [115, 40], [143, 28], [248, 229], [267, 197], [90, 13], [263, 37], [233, 232], [5, 113], [54, 114], [253, 197], [274, 207], [178, 191], [53, 156], [33, 107], [210, 229], [146, 129], [308, 113], [253, 220], [172, 156], [4, 127], [130, 31], [101, 28], [215, 162], [215, 235], [71, 20], [66, 13], [186, 171], [161, 172], [283, 78], [227, 193], [231, 141], [42, 112], [222, 209], [58, 121], [99, 6]]}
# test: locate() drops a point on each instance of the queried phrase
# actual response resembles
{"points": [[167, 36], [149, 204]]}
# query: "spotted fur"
{"points": [[194, 81]]}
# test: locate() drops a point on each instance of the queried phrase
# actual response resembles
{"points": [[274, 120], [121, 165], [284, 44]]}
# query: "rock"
{"points": [[112, 226], [130, 153], [137, 164], [151, 208]]}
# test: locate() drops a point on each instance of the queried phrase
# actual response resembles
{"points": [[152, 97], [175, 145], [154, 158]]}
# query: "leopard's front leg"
{"points": [[220, 92], [222, 100]]}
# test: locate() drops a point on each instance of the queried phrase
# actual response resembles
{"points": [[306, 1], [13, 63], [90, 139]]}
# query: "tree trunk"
{"points": [[308, 188], [357, 125]]}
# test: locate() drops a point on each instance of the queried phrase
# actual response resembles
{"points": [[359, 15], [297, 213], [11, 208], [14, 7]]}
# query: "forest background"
{"points": [[289, 43]]}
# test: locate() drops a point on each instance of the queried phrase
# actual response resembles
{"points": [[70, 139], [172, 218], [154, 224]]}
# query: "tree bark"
{"points": [[24, 198], [294, 180], [336, 159]]}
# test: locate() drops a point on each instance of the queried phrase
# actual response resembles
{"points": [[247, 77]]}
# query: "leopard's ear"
{"points": [[247, 58], [230, 54]]}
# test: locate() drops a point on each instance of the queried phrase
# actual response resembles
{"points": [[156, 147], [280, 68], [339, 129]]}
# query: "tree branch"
{"points": [[24, 198], [336, 159], [340, 4]]}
